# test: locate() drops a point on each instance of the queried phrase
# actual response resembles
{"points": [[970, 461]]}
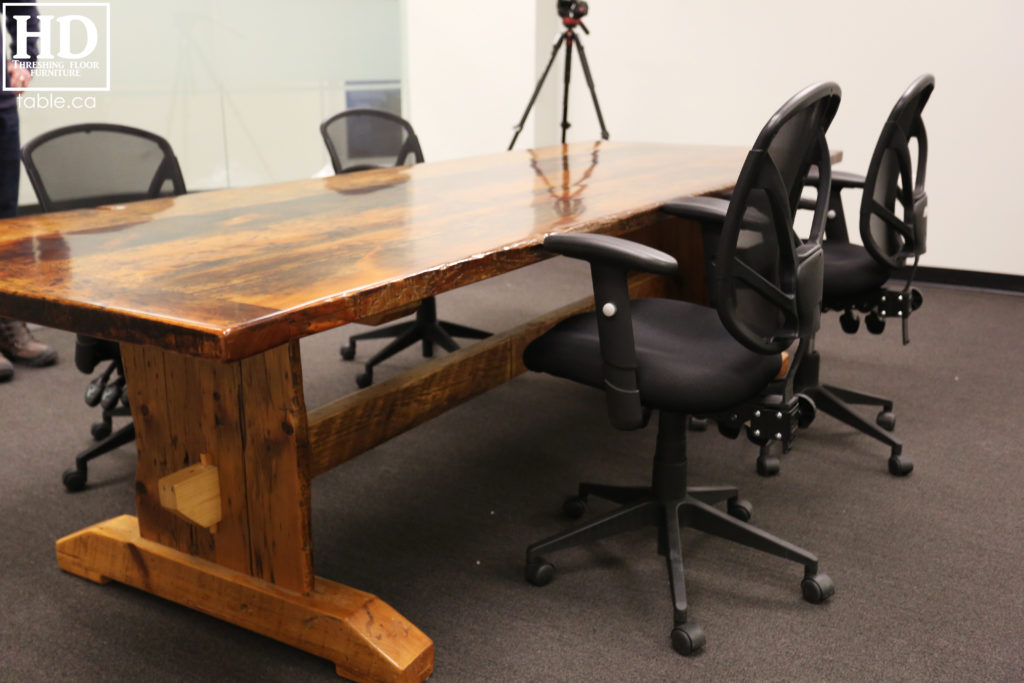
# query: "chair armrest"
{"points": [[840, 179], [90, 352], [698, 208], [710, 210], [612, 251], [611, 258]]}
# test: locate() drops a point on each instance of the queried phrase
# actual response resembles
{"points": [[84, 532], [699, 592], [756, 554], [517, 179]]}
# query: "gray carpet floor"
{"points": [[929, 568]]}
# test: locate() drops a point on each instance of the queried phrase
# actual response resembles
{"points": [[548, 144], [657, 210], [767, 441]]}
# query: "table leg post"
{"points": [[242, 426]]}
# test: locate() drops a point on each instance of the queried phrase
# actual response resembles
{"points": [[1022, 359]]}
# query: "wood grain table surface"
{"points": [[229, 273]]}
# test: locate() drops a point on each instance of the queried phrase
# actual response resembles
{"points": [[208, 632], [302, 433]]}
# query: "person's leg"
{"points": [[16, 342], [10, 160], [8, 192]]}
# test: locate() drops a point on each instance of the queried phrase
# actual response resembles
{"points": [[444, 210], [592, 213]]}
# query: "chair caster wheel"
{"points": [[729, 431], [886, 420], [768, 465], [74, 480], [875, 323], [348, 351], [688, 638], [900, 466], [808, 411], [817, 588], [539, 571], [364, 379], [100, 430], [574, 507], [740, 509], [849, 321]]}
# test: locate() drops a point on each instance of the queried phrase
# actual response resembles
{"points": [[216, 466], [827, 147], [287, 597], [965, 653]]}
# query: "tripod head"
{"points": [[570, 24], [572, 13]]}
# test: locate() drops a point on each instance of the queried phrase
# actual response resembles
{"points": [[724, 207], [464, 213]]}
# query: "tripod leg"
{"points": [[536, 91], [570, 37], [590, 85]]}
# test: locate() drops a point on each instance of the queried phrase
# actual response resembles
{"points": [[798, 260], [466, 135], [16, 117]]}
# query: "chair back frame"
{"points": [[168, 170], [410, 146], [777, 177], [891, 240]]}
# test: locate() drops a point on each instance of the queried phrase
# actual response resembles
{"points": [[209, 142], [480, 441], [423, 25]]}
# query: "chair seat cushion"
{"points": [[686, 360], [850, 271]]}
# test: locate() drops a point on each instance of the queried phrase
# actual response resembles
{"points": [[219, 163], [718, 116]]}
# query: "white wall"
{"points": [[470, 71], [688, 71]]}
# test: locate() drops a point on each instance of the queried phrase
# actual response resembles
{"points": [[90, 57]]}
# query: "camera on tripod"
{"points": [[572, 9], [572, 13]]}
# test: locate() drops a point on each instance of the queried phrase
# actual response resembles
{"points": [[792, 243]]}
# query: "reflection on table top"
{"points": [[230, 273]]}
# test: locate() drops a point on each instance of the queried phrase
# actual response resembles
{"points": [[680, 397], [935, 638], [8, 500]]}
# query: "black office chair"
{"points": [[362, 139], [686, 359], [856, 277], [84, 166]]}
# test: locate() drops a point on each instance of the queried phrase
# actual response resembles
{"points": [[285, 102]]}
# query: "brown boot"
{"points": [[18, 344], [6, 369]]}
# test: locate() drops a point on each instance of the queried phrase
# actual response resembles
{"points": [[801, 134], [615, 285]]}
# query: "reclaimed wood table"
{"points": [[209, 294]]}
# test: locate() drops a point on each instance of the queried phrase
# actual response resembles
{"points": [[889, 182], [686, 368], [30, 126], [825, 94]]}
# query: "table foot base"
{"points": [[365, 638]]}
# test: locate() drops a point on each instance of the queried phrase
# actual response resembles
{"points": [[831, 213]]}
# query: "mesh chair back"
{"points": [[90, 164], [893, 234], [767, 284], [360, 139]]}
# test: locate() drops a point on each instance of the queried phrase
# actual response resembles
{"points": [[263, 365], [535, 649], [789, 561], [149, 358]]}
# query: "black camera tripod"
{"points": [[570, 38]]}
